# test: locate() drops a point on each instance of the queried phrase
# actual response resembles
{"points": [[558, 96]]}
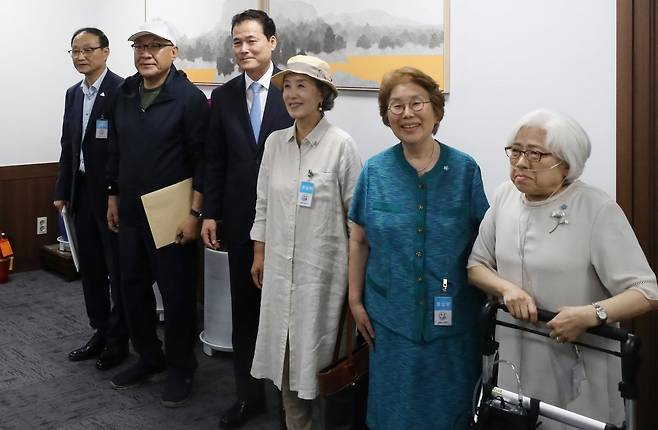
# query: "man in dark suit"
{"points": [[244, 112], [81, 189]]}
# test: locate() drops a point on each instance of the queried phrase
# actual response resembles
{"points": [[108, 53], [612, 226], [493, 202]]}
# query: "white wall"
{"points": [[507, 57], [37, 70]]}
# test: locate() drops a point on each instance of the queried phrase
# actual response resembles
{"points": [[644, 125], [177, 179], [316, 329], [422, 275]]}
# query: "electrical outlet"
{"points": [[42, 225]]}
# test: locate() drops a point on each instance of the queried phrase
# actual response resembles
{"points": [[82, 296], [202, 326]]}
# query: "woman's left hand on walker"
{"points": [[570, 322]]}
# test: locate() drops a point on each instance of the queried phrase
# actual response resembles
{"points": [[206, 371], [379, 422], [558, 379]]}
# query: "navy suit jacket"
{"points": [[95, 150], [233, 156]]}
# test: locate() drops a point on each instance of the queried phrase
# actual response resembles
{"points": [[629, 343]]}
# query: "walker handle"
{"points": [[606, 331], [629, 344]]}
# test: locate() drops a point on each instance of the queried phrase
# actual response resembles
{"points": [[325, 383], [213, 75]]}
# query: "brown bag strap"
{"points": [[346, 314], [346, 319]]}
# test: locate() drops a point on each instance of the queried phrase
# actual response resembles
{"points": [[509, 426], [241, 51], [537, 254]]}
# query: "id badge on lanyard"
{"points": [[305, 198], [101, 128], [443, 306], [306, 190]]}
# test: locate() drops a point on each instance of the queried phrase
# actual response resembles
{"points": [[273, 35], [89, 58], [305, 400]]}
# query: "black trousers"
{"points": [[245, 307], [99, 267], [173, 268]]}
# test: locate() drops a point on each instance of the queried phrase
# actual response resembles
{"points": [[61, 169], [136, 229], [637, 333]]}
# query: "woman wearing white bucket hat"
{"points": [[305, 186]]}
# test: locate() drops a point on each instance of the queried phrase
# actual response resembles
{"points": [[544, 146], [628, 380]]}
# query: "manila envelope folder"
{"points": [[166, 208]]}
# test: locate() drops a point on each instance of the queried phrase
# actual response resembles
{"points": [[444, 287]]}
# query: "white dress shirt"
{"points": [[90, 93], [265, 83]]}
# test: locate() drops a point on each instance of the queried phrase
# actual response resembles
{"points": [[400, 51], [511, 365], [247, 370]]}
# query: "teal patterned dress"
{"points": [[420, 230]]}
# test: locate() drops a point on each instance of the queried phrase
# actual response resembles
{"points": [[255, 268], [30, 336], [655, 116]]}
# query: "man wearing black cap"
{"points": [[157, 141], [81, 189]]}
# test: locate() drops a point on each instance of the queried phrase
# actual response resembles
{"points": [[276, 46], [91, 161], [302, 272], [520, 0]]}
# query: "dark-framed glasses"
{"points": [[150, 47], [530, 154], [415, 105], [84, 51]]}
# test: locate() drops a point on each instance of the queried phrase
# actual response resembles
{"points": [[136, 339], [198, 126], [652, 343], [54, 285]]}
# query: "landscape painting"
{"points": [[364, 39], [203, 32]]}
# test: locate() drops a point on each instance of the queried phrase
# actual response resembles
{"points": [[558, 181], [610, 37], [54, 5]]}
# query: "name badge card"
{"points": [[305, 198], [101, 128], [442, 310]]}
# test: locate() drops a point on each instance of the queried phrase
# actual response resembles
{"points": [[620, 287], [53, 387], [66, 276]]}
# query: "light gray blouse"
{"points": [[572, 249]]}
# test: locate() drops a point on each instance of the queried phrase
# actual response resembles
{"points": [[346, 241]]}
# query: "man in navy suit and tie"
{"points": [[243, 114], [81, 189]]}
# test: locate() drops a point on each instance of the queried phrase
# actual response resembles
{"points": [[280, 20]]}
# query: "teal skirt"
{"points": [[422, 385]]}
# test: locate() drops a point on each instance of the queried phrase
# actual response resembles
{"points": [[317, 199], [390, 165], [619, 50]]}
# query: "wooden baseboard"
{"points": [[26, 192]]}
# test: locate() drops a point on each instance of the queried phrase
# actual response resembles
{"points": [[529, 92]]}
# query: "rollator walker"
{"points": [[490, 392]]}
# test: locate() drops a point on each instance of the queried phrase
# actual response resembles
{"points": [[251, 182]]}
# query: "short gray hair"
{"points": [[564, 137]]}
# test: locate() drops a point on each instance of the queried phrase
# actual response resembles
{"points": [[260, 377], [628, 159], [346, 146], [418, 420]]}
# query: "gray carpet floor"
{"points": [[42, 318]]}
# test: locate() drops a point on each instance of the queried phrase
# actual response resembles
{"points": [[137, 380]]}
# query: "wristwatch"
{"points": [[196, 214], [601, 314]]}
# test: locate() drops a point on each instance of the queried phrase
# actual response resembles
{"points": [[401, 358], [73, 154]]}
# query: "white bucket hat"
{"points": [[306, 65]]}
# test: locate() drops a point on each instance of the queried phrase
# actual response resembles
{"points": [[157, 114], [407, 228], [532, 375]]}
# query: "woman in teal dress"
{"points": [[414, 216]]}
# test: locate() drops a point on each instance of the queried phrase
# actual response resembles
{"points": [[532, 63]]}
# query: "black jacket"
{"points": [[159, 146], [233, 157], [95, 150]]}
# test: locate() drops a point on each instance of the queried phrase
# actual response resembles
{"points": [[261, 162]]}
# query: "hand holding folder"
{"points": [[165, 209]]}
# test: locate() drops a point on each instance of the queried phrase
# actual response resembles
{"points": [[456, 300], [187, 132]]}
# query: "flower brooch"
{"points": [[560, 217]]}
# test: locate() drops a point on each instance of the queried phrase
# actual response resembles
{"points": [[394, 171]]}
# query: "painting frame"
{"points": [[441, 74], [207, 74]]}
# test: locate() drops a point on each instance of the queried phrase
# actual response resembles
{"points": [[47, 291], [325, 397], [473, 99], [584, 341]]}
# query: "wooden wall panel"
{"points": [[26, 192], [637, 158]]}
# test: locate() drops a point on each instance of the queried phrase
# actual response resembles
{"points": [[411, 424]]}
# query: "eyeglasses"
{"points": [[530, 155], [415, 105], [151, 47], [84, 51]]}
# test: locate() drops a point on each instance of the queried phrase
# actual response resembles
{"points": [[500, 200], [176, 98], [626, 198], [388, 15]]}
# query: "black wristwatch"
{"points": [[196, 214], [601, 314]]}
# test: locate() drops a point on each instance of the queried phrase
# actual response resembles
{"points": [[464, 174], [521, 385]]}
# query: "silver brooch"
{"points": [[560, 217]]}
